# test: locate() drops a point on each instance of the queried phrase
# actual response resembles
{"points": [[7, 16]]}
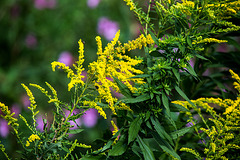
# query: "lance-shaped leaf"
{"points": [[134, 129], [123, 88], [161, 131], [165, 145], [147, 152]]}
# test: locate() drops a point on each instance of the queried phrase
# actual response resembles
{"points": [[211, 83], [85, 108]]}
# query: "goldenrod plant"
{"points": [[146, 124], [219, 134]]}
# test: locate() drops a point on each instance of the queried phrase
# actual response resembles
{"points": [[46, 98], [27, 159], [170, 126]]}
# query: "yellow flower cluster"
{"points": [[222, 133], [123, 106], [111, 63], [209, 40], [186, 6], [130, 4], [32, 138], [75, 78], [224, 10], [135, 44], [8, 116]]}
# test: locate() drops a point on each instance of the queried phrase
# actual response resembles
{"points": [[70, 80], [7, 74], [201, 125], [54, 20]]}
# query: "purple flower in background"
{"points": [[90, 118], [42, 4], [31, 41], [189, 124], [40, 123], [66, 58], [175, 50], [78, 121], [25, 101], [107, 28], [16, 109], [84, 73], [222, 47], [4, 128], [93, 3]]}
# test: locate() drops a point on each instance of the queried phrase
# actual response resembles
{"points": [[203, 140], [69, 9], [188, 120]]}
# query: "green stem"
{"points": [[149, 7]]}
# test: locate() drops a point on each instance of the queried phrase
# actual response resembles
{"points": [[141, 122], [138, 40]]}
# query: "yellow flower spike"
{"points": [[81, 49], [115, 130], [62, 66], [115, 39], [30, 95], [234, 76], [75, 78], [99, 44]]}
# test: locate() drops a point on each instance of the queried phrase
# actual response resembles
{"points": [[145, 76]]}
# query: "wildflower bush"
{"points": [[154, 118]]}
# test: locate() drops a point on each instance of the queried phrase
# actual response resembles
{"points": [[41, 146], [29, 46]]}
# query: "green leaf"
{"points": [[180, 132], [181, 47], [177, 108], [119, 148], [161, 131], [166, 103], [189, 41], [134, 129], [147, 152], [123, 88], [201, 57], [191, 70], [183, 95], [141, 98], [141, 76], [74, 131], [165, 146], [176, 74]]}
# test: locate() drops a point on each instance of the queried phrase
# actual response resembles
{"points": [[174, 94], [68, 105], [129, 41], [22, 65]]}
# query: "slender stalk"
{"points": [[147, 20]]}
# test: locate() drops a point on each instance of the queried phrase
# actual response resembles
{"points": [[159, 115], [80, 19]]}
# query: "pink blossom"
{"points": [[90, 118], [31, 41], [66, 58], [107, 28], [4, 128], [93, 3], [42, 4]]}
